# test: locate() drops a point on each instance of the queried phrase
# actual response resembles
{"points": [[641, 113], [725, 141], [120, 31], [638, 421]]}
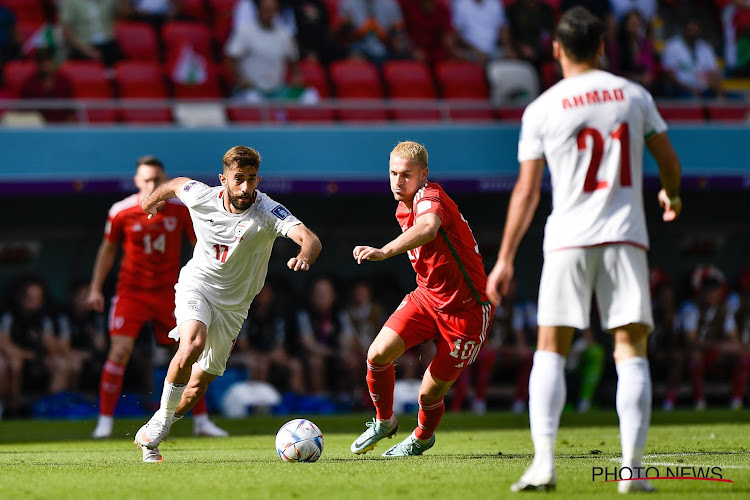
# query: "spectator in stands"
{"points": [[647, 8], [585, 362], [531, 24], [482, 30], [48, 83], [739, 303], [635, 58], [428, 24], [367, 316], [260, 344], [315, 33], [374, 29], [713, 342], [83, 333], [29, 344], [89, 28], [156, 12], [735, 17], [328, 339], [245, 12], [691, 66], [666, 344], [260, 53]]}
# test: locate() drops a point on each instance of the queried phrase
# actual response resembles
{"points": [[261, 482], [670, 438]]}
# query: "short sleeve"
{"points": [[654, 123], [518, 321], [279, 218], [6, 321], [63, 327], [113, 229], [689, 317], [194, 193], [430, 204], [235, 46], [530, 143], [304, 325]]}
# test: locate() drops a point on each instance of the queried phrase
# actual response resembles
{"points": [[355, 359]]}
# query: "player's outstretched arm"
{"points": [[161, 194], [310, 248], [669, 172], [424, 230], [521, 208]]}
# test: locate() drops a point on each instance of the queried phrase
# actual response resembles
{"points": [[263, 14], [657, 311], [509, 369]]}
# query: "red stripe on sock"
{"points": [[380, 381], [200, 407], [429, 419], [110, 387]]}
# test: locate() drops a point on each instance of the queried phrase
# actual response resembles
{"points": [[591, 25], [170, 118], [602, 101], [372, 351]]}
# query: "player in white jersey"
{"points": [[591, 129], [235, 225]]}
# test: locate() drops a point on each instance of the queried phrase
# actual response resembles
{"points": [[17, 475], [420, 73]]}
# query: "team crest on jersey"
{"points": [[239, 231], [137, 227], [192, 305], [281, 212], [170, 223]]}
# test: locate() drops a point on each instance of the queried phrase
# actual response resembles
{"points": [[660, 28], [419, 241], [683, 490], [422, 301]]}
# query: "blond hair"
{"points": [[412, 152], [241, 156]]}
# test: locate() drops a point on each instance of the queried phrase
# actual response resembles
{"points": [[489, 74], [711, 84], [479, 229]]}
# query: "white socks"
{"points": [[546, 401], [633, 408], [170, 398]]}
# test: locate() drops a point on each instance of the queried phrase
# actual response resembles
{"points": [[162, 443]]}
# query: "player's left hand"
{"points": [[297, 264], [368, 253], [671, 206]]}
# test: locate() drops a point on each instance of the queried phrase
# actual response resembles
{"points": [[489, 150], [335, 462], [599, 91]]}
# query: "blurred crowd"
{"points": [[316, 344], [259, 50]]}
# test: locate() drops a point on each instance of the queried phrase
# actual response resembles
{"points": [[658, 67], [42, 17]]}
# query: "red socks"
{"points": [[429, 418], [200, 407], [380, 381], [110, 386]]}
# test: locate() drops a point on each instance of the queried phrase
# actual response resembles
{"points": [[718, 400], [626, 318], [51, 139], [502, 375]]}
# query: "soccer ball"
{"points": [[299, 440]]}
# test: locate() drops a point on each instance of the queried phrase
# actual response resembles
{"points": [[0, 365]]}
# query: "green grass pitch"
{"points": [[474, 457]]}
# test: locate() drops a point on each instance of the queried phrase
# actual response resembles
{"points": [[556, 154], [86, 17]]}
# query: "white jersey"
{"points": [[230, 260], [591, 130]]}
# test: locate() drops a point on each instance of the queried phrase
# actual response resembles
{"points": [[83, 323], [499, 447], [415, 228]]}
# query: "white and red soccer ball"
{"points": [[299, 440]]}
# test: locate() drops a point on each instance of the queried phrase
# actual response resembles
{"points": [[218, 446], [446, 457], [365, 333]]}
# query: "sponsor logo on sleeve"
{"points": [[281, 212], [188, 185]]}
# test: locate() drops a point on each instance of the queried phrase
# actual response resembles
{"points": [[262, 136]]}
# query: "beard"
{"points": [[239, 203]]}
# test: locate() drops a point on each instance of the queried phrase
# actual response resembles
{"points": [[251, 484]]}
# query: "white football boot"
{"points": [[376, 430], [534, 479], [153, 432]]}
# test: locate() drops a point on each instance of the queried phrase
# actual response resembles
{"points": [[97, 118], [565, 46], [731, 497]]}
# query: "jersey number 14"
{"points": [[622, 134]]}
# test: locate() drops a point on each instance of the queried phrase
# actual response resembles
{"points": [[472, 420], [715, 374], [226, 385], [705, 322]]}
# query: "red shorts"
{"points": [[129, 312], [459, 336]]}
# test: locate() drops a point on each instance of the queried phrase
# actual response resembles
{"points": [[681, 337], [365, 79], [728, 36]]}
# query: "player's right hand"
{"points": [[498, 281], [368, 253], [152, 209], [672, 206], [95, 301]]}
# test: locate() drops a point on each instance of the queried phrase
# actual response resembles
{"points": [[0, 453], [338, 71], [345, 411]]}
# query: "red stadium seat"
{"points": [[682, 112], [332, 7], [314, 75], [241, 114], [411, 80], [309, 114], [175, 34], [738, 112], [16, 72], [26, 10], [471, 110], [209, 89], [511, 113], [89, 79], [222, 18], [462, 80], [137, 40], [195, 9], [408, 80], [358, 80], [142, 80]]}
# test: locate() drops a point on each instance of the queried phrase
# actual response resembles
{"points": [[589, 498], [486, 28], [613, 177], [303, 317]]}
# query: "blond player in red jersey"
{"points": [[590, 129], [151, 250], [448, 306]]}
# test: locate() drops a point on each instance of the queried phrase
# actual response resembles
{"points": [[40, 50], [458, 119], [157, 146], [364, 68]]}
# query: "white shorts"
{"points": [[617, 273], [223, 326]]}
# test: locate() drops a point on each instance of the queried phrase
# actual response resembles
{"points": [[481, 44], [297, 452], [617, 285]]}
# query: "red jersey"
{"points": [[151, 248], [439, 274]]}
